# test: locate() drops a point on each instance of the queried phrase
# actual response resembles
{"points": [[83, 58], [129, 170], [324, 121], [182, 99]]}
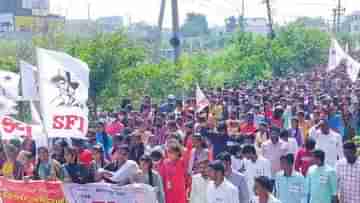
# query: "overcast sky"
{"points": [[215, 10]]}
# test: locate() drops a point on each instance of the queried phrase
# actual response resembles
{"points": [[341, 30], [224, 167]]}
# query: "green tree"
{"points": [[107, 55], [195, 25], [310, 22]]}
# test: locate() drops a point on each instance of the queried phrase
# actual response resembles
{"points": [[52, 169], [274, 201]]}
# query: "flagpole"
{"points": [[40, 104]]}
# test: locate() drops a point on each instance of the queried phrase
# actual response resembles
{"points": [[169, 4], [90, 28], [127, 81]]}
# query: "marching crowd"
{"points": [[287, 140]]}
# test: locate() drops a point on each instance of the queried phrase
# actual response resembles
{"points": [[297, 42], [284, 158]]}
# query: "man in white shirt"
{"points": [[200, 184], [220, 190], [236, 178], [291, 141], [273, 149], [330, 142], [255, 166], [121, 170]]}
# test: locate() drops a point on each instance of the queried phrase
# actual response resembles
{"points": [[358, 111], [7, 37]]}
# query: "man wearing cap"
{"points": [[122, 168], [220, 190], [170, 105]]}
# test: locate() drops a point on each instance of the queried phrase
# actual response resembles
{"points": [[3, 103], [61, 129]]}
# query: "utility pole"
{"points": [[334, 20], [338, 12], [88, 11], [270, 19], [242, 17], [175, 40], [159, 34]]}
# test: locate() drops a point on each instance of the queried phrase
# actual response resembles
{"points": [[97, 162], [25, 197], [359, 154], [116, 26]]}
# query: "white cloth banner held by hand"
{"points": [[106, 193], [29, 81], [9, 85], [352, 69], [201, 100], [12, 128], [336, 55], [64, 84]]}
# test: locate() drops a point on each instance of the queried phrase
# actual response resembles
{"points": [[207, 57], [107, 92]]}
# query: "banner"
{"points": [[35, 116], [33, 192], [352, 69], [201, 100], [7, 106], [107, 193], [11, 128], [9, 85], [336, 55], [64, 84], [29, 81]]}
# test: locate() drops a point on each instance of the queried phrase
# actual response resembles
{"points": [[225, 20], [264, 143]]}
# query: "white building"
{"points": [[110, 24], [256, 25], [354, 22]]}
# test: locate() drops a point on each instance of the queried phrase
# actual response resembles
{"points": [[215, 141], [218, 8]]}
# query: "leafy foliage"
{"points": [[106, 55], [120, 68]]}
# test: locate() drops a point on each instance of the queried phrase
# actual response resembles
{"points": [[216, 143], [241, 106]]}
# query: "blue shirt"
{"points": [[321, 184], [105, 141], [290, 189], [336, 123]]}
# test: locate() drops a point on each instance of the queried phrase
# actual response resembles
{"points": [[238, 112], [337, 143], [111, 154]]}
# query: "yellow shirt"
{"points": [[8, 169], [304, 127]]}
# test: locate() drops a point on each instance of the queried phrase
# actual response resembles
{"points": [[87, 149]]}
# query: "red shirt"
{"points": [[277, 122], [114, 128], [303, 161], [268, 114], [174, 176], [248, 129]]}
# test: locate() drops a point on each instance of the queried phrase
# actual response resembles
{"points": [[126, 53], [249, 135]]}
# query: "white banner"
{"points": [[29, 81], [201, 101], [64, 84], [336, 55], [12, 128], [352, 69], [109, 193], [9, 85]]}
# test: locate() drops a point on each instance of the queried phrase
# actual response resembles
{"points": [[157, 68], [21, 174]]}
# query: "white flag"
{"points": [[9, 92], [347, 48], [9, 85], [29, 81], [336, 55], [64, 84], [7, 106], [352, 69], [201, 100], [35, 116]]}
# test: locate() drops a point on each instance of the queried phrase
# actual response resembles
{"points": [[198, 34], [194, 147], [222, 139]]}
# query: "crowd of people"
{"points": [[286, 140]]}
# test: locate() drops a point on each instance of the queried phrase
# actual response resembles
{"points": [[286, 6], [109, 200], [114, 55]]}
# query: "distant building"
{"points": [[256, 25], [80, 28], [353, 22], [110, 24], [32, 16]]}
